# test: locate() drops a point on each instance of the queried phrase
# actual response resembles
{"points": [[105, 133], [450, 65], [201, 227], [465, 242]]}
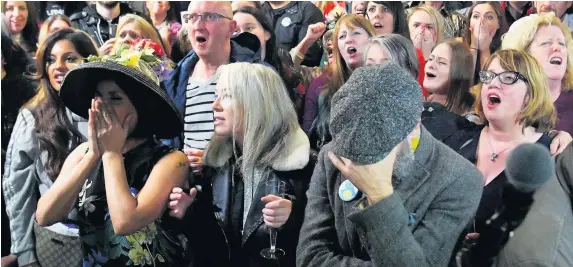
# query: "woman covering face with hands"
{"points": [[486, 27], [426, 28], [120, 179], [253, 143]]}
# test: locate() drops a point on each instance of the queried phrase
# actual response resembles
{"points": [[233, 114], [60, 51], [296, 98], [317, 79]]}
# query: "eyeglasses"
{"points": [[506, 77], [206, 17]]}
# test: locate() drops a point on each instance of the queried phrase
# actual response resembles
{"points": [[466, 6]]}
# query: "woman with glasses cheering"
{"points": [[514, 102]]}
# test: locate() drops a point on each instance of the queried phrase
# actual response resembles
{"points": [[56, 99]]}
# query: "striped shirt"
{"points": [[199, 121]]}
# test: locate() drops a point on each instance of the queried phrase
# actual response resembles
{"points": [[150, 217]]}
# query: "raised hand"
{"points": [[374, 180], [195, 159], [93, 148], [315, 31], [481, 36], [180, 201], [111, 133], [105, 49]]}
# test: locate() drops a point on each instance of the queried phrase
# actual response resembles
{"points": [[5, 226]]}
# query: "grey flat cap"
{"points": [[373, 112]]}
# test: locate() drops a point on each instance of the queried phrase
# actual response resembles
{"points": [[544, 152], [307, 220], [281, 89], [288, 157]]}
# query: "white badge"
{"points": [[286, 22]]}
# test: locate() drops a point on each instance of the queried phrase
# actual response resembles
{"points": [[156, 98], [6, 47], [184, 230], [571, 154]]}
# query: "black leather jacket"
{"points": [[209, 223], [89, 21]]}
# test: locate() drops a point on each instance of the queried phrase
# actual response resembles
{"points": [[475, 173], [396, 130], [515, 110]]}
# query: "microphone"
{"points": [[528, 168]]}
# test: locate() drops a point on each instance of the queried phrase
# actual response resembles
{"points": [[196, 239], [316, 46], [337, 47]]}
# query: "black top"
{"points": [[161, 243], [465, 141], [290, 24]]}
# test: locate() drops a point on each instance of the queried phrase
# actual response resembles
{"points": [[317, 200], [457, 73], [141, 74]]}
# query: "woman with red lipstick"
{"points": [[549, 41], [44, 134], [23, 25], [514, 102], [350, 38]]}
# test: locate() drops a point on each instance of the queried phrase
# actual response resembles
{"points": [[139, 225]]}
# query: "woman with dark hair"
{"points": [[52, 24], [390, 17], [254, 21], [121, 177], [44, 134], [164, 19], [23, 25], [387, 17], [449, 76], [17, 89], [486, 26]]}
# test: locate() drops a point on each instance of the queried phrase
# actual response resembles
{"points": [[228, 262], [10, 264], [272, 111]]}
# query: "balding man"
{"points": [[192, 84]]}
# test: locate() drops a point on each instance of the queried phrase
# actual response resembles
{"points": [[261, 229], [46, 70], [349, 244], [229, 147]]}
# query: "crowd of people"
{"points": [[287, 133]]}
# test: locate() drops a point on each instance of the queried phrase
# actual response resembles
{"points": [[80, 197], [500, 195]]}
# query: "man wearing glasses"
{"points": [[192, 85]]}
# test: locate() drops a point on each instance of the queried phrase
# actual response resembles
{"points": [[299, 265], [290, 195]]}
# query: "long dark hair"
{"points": [[31, 30], [279, 60], [399, 14], [459, 100], [54, 130], [496, 41]]}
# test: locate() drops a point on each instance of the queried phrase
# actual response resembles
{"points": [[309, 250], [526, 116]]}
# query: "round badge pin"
{"points": [[286, 22], [347, 191]]}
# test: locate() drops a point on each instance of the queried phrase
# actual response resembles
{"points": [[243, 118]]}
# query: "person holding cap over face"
{"points": [[385, 192]]}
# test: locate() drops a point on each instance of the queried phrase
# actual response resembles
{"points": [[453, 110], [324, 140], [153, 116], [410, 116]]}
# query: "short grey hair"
{"points": [[399, 49]]}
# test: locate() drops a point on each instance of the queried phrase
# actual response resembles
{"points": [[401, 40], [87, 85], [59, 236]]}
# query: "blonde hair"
{"points": [[45, 30], [538, 110], [147, 30], [436, 18], [262, 112], [523, 32]]}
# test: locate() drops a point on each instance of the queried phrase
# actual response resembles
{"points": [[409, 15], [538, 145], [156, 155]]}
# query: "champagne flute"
{"points": [[278, 188]]}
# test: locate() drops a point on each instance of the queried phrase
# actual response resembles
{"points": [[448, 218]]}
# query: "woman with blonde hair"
{"points": [[350, 37], [426, 27], [52, 24], [254, 143], [129, 29], [549, 41], [514, 102]]}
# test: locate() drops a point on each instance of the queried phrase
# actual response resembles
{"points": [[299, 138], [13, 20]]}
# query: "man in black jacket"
{"points": [[100, 20], [290, 20]]}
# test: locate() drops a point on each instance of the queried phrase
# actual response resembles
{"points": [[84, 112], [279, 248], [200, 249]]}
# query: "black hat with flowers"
{"points": [[132, 68]]}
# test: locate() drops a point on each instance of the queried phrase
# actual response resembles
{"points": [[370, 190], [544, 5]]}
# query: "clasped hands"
{"points": [[106, 134]]}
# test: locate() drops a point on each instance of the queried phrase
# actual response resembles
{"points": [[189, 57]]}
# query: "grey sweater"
{"points": [[418, 225], [25, 180]]}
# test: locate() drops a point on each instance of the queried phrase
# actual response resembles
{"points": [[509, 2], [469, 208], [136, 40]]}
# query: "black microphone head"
{"points": [[529, 167]]}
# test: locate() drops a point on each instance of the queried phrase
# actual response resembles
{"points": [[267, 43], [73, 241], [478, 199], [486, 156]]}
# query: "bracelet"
{"points": [[473, 48]]}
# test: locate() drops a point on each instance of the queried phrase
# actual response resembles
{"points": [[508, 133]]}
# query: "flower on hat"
{"points": [[144, 50]]}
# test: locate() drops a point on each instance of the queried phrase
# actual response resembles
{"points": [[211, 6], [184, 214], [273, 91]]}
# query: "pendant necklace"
{"points": [[495, 155]]}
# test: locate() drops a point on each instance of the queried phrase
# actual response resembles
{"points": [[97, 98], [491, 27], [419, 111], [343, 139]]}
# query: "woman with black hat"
{"points": [[121, 162]]}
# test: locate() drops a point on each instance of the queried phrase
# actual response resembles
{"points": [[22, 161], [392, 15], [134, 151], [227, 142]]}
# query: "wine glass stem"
{"points": [[273, 234]]}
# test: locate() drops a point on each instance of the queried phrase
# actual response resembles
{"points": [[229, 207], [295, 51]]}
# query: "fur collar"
{"points": [[295, 157]]}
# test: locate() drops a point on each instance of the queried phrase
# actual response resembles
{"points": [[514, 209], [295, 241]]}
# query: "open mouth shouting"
{"points": [[378, 26], [556, 60], [430, 75], [351, 50], [493, 100]]}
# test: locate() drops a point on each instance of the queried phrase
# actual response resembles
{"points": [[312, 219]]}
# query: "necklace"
{"points": [[495, 155]]}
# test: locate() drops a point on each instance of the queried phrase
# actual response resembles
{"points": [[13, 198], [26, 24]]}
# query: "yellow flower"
{"points": [[139, 256]]}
